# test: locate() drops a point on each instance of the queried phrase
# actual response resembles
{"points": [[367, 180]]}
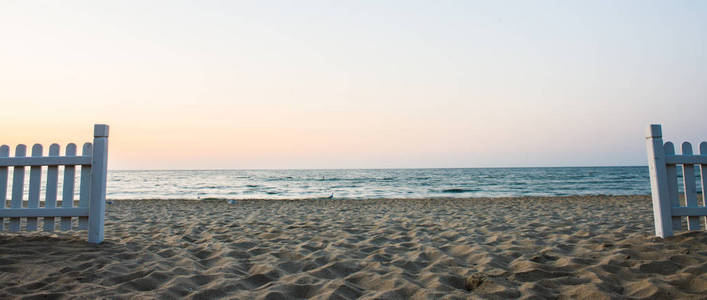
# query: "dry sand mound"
{"points": [[570, 247]]}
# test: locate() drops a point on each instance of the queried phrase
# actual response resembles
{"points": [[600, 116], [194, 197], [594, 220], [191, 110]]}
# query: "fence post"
{"points": [[659, 181], [99, 168]]}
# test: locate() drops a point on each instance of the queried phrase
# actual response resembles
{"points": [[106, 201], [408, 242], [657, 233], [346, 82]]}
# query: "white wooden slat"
{"points": [[4, 152], [67, 199], [688, 179], [659, 186], [44, 212], [51, 191], [703, 176], [672, 179], [18, 185], [686, 159], [35, 182], [85, 187], [44, 161], [99, 165], [690, 211]]}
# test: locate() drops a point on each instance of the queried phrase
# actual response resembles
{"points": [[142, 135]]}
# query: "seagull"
{"points": [[330, 196]]}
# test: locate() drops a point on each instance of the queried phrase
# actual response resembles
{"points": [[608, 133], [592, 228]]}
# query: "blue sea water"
{"points": [[377, 183]]}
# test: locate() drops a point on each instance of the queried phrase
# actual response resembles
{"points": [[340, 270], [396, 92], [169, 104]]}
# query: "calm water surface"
{"points": [[377, 183]]}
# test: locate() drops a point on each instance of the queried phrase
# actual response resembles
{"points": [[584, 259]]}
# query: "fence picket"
{"points": [[18, 185], [52, 179], [688, 179], [672, 173], [67, 199], [99, 164], [703, 176], [35, 182], [4, 152], [85, 189]]}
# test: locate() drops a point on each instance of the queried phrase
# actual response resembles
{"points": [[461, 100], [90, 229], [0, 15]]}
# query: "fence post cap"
{"points": [[654, 131], [100, 130]]}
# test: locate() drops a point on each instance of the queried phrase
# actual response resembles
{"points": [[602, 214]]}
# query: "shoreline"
{"points": [[450, 248]]}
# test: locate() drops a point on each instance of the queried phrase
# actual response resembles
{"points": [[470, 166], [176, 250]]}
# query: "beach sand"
{"points": [[575, 247]]}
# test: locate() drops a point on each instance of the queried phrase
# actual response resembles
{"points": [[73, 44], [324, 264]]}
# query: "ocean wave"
{"points": [[457, 190], [374, 183]]}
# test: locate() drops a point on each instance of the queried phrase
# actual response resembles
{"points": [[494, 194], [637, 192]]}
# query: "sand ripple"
{"points": [[569, 247]]}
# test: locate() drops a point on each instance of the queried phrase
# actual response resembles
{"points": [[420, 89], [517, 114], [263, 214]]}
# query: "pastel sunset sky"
{"points": [[354, 84]]}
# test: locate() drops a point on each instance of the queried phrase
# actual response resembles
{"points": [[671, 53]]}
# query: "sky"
{"points": [[354, 84]]}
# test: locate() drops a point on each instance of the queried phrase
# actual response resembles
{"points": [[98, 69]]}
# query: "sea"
{"points": [[377, 183]]}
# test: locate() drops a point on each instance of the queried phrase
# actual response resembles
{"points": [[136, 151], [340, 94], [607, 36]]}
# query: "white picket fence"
{"points": [[92, 191], [668, 210]]}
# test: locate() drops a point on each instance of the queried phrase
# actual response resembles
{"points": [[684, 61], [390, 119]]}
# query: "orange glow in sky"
{"points": [[361, 85]]}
